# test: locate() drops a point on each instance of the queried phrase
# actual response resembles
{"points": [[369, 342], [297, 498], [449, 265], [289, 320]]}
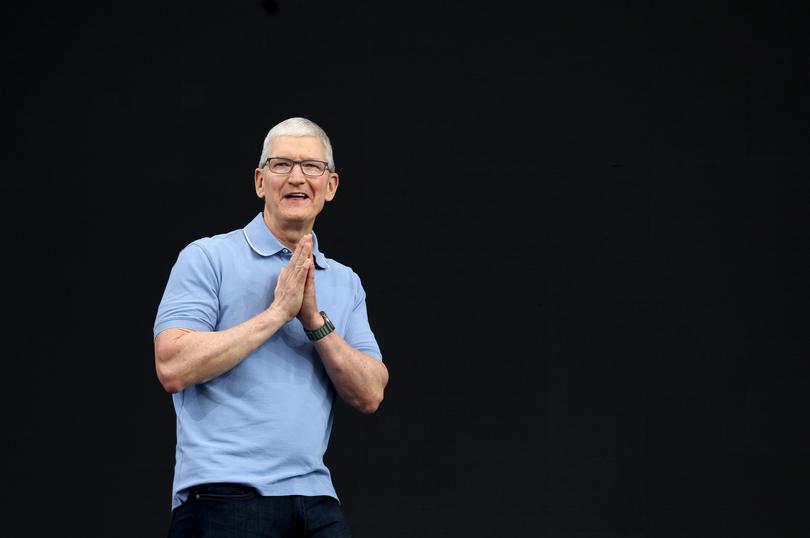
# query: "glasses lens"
{"points": [[280, 166], [313, 168]]}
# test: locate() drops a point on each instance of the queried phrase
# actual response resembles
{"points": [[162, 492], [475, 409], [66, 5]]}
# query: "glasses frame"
{"points": [[300, 166]]}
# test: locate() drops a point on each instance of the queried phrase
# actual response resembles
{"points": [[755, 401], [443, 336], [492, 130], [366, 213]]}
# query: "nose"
{"points": [[296, 174]]}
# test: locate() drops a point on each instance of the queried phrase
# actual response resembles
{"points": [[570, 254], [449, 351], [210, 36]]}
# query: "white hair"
{"points": [[297, 127]]}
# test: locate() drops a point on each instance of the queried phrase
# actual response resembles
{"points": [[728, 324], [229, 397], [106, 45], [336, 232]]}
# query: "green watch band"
{"points": [[327, 328]]}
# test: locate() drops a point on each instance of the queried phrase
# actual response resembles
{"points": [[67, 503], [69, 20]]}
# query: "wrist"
{"points": [[278, 314], [324, 329], [313, 323]]}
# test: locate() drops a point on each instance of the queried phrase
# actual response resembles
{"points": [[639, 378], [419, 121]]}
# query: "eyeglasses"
{"points": [[282, 166]]}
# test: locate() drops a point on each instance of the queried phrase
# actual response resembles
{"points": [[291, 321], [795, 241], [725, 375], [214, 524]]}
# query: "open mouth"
{"points": [[296, 196]]}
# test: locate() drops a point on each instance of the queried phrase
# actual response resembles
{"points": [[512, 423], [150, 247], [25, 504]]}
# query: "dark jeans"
{"points": [[236, 511]]}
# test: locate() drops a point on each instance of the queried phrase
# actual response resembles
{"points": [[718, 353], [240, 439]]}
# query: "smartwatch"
{"points": [[327, 328]]}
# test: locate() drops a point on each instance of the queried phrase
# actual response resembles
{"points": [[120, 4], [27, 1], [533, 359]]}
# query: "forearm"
{"points": [[358, 378], [184, 357]]}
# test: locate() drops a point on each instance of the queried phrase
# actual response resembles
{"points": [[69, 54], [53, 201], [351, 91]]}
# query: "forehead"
{"points": [[298, 147]]}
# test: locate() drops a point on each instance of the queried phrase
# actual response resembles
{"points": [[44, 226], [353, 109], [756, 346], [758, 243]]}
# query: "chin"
{"points": [[298, 219]]}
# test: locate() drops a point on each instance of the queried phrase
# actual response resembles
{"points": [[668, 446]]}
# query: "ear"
{"points": [[331, 186], [258, 181]]}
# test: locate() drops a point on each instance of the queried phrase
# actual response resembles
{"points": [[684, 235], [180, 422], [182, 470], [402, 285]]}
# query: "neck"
{"points": [[288, 233]]}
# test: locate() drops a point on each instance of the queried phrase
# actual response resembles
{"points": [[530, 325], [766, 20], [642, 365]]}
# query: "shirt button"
{"points": [[285, 250]]}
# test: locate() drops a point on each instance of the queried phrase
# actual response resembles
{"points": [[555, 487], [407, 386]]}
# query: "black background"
{"points": [[581, 229]]}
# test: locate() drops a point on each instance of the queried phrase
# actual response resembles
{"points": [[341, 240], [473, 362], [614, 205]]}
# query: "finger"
{"points": [[281, 284], [303, 249], [311, 275], [307, 280], [306, 252], [296, 256], [306, 240], [301, 273]]}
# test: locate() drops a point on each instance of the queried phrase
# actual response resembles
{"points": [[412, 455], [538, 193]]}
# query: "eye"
{"points": [[312, 167], [280, 165]]}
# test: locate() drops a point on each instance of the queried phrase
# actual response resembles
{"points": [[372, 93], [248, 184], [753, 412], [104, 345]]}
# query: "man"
{"points": [[255, 333]]}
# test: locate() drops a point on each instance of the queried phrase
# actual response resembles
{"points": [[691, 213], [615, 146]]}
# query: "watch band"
{"points": [[327, 328]]}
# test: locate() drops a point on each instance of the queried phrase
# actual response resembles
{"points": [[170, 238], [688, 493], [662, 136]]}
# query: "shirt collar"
{"points": [[264, 243]]}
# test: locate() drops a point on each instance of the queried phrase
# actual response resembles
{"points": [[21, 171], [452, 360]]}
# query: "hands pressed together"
{"points": [[295, 289], [359, 378]]}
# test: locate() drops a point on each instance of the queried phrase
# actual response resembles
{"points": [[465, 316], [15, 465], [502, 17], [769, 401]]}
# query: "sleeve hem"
{"points": [[192, 324]]}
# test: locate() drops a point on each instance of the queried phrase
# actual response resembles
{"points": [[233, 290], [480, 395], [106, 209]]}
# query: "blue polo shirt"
{"points": [[267, 421]]}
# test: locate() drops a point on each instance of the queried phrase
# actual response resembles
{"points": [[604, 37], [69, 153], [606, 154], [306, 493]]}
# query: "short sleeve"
{"points": [[358, 332], [191, 298]]}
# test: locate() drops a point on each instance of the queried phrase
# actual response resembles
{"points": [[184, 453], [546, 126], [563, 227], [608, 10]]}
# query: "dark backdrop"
{"points": [[580, 227]]}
